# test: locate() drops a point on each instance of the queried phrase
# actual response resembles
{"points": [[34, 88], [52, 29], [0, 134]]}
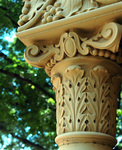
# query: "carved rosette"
{"points": [[85, 102]]}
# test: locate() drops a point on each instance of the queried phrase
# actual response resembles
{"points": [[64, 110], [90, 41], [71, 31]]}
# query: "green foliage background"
{"points": [[27, 105]]}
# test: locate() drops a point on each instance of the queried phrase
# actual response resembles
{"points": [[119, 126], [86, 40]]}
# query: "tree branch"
{"points": [[27, 142], [12, 21], [14, 75], [5, 57], [9, 60], [3, 8], [9, 17], [3, 128], [21, 78]]}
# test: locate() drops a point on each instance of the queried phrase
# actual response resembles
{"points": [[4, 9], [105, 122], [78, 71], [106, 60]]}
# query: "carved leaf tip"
{"points": [[101, 68], [72, 68]]}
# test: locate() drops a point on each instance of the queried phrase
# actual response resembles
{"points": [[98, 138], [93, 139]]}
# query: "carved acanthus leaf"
{"points": [[70, 6], [88, 5]]}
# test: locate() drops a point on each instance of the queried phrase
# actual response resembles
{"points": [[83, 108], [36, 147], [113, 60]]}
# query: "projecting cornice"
{"points": [[92, 20], [39, 12]]}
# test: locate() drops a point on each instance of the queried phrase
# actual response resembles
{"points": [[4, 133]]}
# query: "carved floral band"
{"points": [[38, 12]]}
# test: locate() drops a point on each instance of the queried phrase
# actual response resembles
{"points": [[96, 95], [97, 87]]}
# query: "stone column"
{"points": [[86, 90], [86, 93], [82, 55]]}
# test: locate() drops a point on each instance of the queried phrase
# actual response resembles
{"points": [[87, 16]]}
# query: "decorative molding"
{"points": [[39, 12], [107, 2], [104, 44], [85, 103], [50, 64], [85, 138]]}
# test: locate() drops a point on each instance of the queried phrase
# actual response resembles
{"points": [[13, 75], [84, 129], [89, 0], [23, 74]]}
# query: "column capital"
{"points": [[71, 44]]}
